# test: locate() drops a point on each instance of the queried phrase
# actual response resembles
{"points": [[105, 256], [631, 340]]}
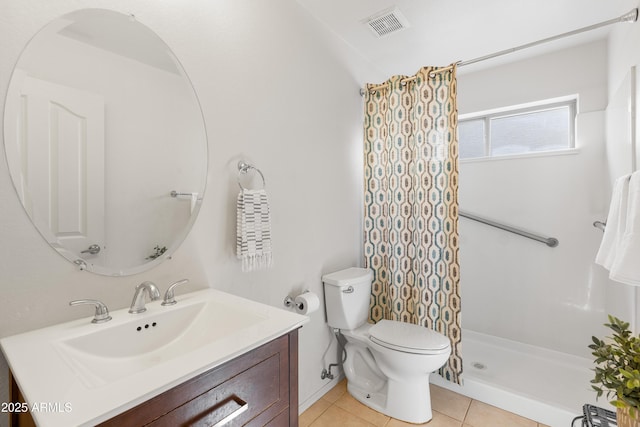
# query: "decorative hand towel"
{"points": [[616, 222], [626, 265], [253, 230]]}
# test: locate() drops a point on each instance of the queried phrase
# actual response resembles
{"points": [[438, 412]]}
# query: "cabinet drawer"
{"points": [[238, 400], [265, 378]]}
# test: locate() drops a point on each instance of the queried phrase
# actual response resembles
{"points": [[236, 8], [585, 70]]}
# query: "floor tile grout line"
{"points": [[466, 413], [331, 403], [356, 415], [367, 421], [321, 412], [390, 418]]}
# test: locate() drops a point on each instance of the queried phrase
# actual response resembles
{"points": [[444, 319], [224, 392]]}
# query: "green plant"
{"points": [[617, 371]]}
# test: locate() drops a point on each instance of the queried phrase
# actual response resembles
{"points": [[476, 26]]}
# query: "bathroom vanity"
{"points": [[212, 359], [258, 388]]}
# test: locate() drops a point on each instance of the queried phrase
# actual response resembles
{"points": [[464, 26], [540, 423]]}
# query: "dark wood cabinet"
{"points": [[258, 388]]}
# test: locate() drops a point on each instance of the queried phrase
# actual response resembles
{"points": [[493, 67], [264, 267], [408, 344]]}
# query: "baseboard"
{"points": [[303, 406]]}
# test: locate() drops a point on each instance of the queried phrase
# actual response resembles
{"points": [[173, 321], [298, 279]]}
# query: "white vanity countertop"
{"points": [[61, 393]]}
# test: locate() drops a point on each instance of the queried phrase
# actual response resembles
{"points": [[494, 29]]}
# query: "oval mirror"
{"points": [[105, 142]]}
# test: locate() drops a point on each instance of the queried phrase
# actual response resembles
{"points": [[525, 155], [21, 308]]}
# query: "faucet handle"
{"points": [[169, 297], [102, 312]]}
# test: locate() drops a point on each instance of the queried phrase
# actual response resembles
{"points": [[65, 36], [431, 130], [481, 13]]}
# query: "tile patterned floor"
{"points": [[338, 408]]}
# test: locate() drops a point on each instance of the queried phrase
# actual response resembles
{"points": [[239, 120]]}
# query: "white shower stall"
{"points": [[529, 310]]}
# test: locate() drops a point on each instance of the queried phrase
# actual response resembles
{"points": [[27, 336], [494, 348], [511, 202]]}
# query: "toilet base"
{"points": [[406, 401], [374, 400]]}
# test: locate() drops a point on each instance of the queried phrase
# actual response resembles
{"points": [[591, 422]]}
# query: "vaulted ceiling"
{"points": [[445, 31]]}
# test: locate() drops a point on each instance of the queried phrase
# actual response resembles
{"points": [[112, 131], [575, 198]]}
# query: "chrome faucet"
{"points": [[137, 305], [102, 313], [169, 297]]}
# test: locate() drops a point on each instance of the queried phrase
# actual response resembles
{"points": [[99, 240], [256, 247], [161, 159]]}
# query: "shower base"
{"points": [[544, 385]]}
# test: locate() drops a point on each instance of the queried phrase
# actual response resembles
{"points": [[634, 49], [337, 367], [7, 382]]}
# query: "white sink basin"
{"points": [[136, 337], [100, 370], [109, 351]]}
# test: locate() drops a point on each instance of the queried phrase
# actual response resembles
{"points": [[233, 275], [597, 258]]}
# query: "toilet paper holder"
{"points": [[305, 303], [290, 302]]}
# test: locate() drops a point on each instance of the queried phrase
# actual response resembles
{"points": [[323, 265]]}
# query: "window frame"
{"points": [[515, 110]]}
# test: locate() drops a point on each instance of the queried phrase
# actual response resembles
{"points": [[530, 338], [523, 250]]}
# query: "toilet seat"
{"points": [[408, 338]]}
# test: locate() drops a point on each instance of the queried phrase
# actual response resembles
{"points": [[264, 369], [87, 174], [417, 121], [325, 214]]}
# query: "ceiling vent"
{"points": [[386, 22]]}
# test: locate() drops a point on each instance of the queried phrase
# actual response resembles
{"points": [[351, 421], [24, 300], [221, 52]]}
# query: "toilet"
{"points": [[387, 364]]}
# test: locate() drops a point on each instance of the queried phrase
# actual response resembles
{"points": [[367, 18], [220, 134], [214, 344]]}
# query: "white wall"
{"points": [[624, 54], [514, 287], [274, 92]]}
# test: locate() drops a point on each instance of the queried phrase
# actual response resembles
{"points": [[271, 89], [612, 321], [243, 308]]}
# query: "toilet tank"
{"points": [[346, 294]]}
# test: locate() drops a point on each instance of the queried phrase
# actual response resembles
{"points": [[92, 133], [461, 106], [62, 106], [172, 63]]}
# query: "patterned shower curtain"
{"points": [[411, 204]]}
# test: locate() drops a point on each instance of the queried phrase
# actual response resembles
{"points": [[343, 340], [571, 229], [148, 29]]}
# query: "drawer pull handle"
{"points": [[243, 407]]}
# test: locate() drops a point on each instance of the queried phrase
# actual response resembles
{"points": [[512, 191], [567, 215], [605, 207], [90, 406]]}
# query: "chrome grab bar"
{"points": [[552, 242], [174, 193]]}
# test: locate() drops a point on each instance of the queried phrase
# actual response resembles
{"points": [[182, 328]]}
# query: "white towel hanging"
{"points": [[620, 248], [253, 240], [616, 221], [626, 265]]}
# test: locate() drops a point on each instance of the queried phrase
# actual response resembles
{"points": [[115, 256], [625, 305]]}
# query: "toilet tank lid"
{"points": [[407, 337], [348, 277]]}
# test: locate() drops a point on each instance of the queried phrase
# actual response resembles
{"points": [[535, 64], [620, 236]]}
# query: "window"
{"points": [[519, 130]]}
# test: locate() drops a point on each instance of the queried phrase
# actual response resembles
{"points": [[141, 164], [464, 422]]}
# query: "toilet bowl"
{"points": [[388, 364]]}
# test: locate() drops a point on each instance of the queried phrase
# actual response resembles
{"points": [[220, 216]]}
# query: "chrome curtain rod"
{"points": [[631, 16], [552, 242]]}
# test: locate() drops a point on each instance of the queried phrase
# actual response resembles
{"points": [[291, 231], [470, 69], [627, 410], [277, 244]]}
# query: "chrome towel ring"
{"points": [[243, 168]]}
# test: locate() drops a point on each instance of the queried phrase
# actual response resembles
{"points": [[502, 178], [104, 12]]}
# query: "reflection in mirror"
{"points": [[101, 126]]}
